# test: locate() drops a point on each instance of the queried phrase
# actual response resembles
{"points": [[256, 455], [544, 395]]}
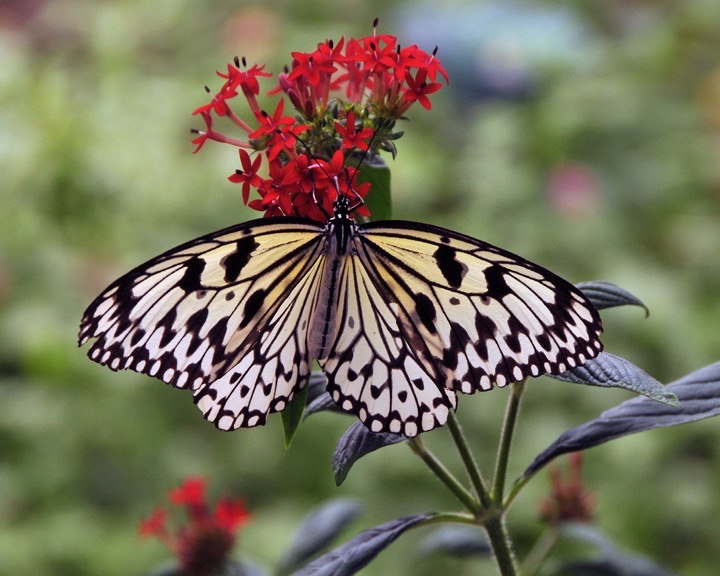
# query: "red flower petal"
{"points": [[231, 514], [154, 524], [191, 492]]}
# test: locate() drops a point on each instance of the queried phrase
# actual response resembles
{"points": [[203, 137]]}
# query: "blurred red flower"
{"points": [[202, 544], [570, 501]]}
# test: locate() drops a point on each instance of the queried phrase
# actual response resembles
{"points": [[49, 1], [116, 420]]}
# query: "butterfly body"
{"points": [[400, 316], [339, 233]]}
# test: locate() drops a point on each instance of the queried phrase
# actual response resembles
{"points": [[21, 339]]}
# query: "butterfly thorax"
{"points": [[341, 227]]}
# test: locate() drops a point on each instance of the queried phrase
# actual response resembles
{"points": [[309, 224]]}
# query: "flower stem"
{"points": [[503, 453]]}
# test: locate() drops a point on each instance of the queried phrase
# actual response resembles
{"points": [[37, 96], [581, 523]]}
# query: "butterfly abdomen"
{"points": [[323, 327]]}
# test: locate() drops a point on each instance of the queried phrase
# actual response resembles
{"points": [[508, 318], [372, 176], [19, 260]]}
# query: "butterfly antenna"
{"points": [[317, 201], [358, 199]]}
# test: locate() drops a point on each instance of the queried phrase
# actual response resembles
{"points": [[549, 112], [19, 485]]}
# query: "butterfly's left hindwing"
{"points": [[373, 367], [224, 315]]}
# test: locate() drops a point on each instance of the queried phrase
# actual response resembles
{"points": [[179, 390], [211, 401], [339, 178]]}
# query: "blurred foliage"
{"points": [[605, 165]]}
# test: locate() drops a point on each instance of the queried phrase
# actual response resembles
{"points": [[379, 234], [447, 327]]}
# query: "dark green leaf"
{"points": [[378, 200], [322, 403], [608, 295], [319, 528], [354, 555], [318, 398], [699, 396], [292, 415], [356, 443], [317, 386], [460, 541], [608, 370]]}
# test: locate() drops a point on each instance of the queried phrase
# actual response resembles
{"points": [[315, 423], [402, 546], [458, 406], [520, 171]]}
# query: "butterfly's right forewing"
{"points": [[483, 316]]}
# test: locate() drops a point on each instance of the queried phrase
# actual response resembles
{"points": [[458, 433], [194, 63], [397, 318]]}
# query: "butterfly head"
{"points": [[342, 207]]}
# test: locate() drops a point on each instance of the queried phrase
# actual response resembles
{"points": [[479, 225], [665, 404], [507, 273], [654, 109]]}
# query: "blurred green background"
{"points": [[583, 135]]}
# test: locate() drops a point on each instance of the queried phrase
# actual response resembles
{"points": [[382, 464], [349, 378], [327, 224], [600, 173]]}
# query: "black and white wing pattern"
{"points": [[426, 312], [225, 315], [401, 318], [376, 367]]}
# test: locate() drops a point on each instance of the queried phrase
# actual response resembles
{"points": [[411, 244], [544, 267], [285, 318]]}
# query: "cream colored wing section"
{"points": [[225, 315]]}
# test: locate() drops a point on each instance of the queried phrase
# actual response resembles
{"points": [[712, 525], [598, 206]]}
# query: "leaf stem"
{"points": [[455, 517], [515, 490], [445, 476], [540, 550], [506, 436], [469, 461]]}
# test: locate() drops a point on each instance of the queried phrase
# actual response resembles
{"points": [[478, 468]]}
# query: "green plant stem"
{"points": [[454, 517], [500, 543], [540, 550], [493, 523], [508, 429], [445, 476], [469, 461], [515, 490]]}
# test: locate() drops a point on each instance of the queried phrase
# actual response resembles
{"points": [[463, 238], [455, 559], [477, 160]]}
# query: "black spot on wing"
{"points": [[459, 340], [196, 321], [216, 335], [515, 329], [194, 325], [138, 335], [253, 304], [544, 341], [452, 270], [486, 330], [234, 262], [166, 324], [426, 312], [193, 274], [497, 287]]}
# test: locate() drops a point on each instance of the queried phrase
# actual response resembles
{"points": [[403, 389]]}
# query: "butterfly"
{"points": [[400, 316]]}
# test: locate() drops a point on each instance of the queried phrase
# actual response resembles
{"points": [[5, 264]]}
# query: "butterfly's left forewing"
{"points": [[225, 315], [481, 315]]}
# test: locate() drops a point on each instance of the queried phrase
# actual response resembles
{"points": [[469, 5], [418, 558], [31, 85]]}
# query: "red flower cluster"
{"points": [[347, 98], [204, 543], [570, 500]]}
